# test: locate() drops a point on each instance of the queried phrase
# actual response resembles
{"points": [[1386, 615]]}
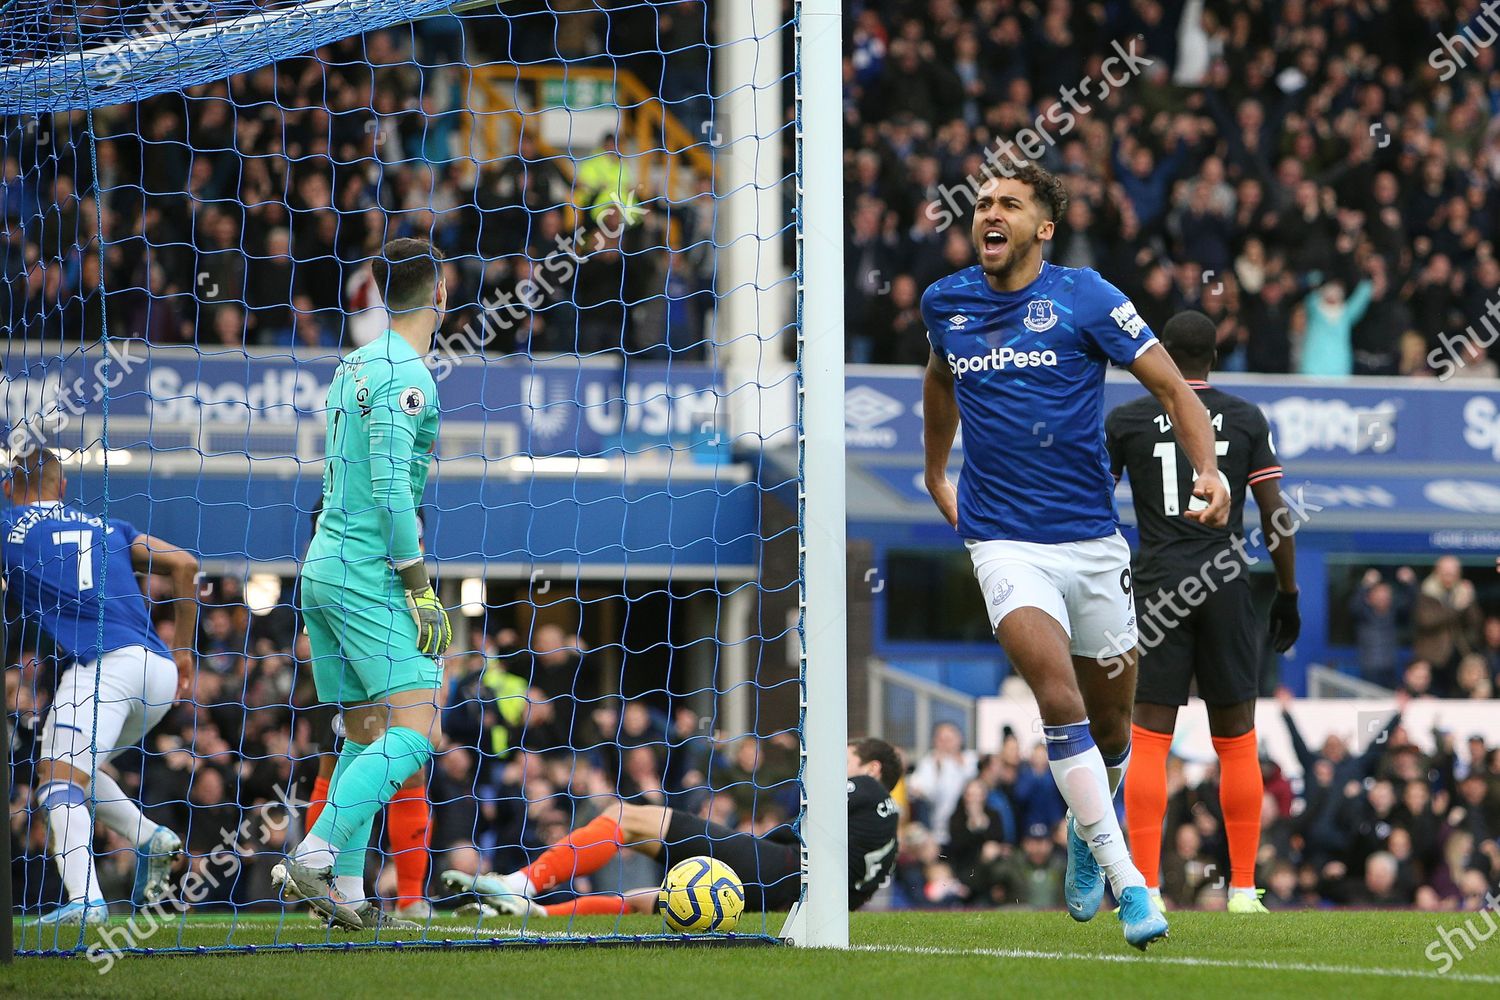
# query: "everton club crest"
{"points": [[1040, 315]]}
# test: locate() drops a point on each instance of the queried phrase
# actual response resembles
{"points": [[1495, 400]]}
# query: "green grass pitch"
{"points": [[1314, 954]]}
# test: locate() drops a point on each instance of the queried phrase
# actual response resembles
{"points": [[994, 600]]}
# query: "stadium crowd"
{"points": [[532, 749], [1316, 175], [1452, 638], [1300, 170], [1319, 176], [243, 212], [1384, 825]]}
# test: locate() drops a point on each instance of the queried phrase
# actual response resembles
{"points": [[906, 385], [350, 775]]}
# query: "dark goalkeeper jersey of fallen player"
{"points": [[873, 818], [1142, 443]]}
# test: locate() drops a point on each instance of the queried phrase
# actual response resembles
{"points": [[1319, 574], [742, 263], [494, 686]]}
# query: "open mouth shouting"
{"points": [[994, 243]]}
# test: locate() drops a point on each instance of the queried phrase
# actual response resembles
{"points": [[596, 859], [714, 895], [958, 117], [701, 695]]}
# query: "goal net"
{"points": [[191, 195]]}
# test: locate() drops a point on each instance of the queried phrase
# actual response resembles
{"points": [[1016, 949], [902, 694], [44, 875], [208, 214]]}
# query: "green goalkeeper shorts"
{"points": [[364, 647]]}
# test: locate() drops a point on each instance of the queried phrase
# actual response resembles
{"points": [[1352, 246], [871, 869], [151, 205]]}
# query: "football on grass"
{"points": [[701, 895]]}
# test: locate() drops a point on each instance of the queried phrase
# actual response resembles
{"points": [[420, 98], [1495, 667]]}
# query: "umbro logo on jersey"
{"points": [[1000, 358], [957, 322]]}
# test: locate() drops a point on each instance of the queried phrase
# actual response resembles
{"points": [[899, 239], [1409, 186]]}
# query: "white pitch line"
{"points": [[1158, 959]]}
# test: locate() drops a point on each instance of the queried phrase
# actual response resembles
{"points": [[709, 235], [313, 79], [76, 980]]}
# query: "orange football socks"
{"points": [[1241, 791], [1146, 800], [408, 824], [582, 852], [316, 803]]}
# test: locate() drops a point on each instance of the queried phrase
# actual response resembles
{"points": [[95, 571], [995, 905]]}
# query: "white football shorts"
{"points": [[136, 687], [1084, 585]]}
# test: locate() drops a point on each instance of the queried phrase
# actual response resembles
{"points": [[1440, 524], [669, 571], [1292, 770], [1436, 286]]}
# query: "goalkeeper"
{"points": [[770, 864], [374, 622]]}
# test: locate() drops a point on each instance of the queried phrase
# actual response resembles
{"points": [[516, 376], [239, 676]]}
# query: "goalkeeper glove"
{"points": [[1286, 621], [434, 631]]}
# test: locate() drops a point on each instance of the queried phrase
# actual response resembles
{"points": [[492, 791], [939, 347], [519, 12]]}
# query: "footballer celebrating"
{"points": [[1019, 351], [1197, 620], [375, 624], [74, 576], [769, 865]]}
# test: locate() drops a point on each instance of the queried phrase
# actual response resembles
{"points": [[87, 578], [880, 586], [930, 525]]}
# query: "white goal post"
{"points": [[822, 920]]}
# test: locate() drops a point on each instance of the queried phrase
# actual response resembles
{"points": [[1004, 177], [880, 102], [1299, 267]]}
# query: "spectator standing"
{"points": [[1327, 345], [1445, 621], [1380, 610], [940, 776]]}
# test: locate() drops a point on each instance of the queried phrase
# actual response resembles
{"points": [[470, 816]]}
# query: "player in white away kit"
{"points": [[1019, 350], [69, 570]]}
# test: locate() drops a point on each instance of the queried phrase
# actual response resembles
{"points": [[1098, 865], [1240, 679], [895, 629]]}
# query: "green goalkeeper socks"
{"points": [[363, 782]]}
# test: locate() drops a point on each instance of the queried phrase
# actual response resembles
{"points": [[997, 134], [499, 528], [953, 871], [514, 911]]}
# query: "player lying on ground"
{"points": [[70, 571], [1193, 595], [1019, 350], [770, 866], [372, 618]]}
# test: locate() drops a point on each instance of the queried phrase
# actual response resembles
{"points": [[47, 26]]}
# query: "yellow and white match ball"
{"points": [[701, 895]]}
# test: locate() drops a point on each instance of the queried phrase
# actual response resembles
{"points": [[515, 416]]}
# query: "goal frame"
{"points": [[821, 917], [821, 920]]}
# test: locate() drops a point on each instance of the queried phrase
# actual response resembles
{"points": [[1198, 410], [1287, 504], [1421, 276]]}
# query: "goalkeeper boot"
{"points": [[1144, 923], [1246, 901], [374, 918], [315, 885], [1083, 886], [153, 866]]}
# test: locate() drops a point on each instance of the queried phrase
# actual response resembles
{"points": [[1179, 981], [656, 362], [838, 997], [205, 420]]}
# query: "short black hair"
{"points": [[1191, 338], [1046, 187], [407, 273], [869, 748]]}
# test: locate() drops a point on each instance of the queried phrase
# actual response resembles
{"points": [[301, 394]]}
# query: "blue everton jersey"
{"points": [[63, 567], [1028, 370]]}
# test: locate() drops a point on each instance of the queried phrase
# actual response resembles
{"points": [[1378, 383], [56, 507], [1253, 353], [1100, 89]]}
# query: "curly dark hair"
{"points": [[1046, 187]]}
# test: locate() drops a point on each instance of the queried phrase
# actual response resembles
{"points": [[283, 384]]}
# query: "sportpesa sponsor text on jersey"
{"points": [[1028, 368]]}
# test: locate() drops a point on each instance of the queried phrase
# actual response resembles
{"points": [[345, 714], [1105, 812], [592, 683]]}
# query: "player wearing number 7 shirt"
{"points": [[1196, 619], [73, 575]]}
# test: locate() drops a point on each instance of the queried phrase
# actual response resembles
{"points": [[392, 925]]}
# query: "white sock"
{"points": [[315, 852], [1084, 784], [119, 813], [518, 883], [1243, 890], [351, 887], [70, 838]]}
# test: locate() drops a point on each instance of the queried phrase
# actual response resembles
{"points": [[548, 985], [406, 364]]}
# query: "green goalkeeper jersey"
{"points": [[382, 423]]}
